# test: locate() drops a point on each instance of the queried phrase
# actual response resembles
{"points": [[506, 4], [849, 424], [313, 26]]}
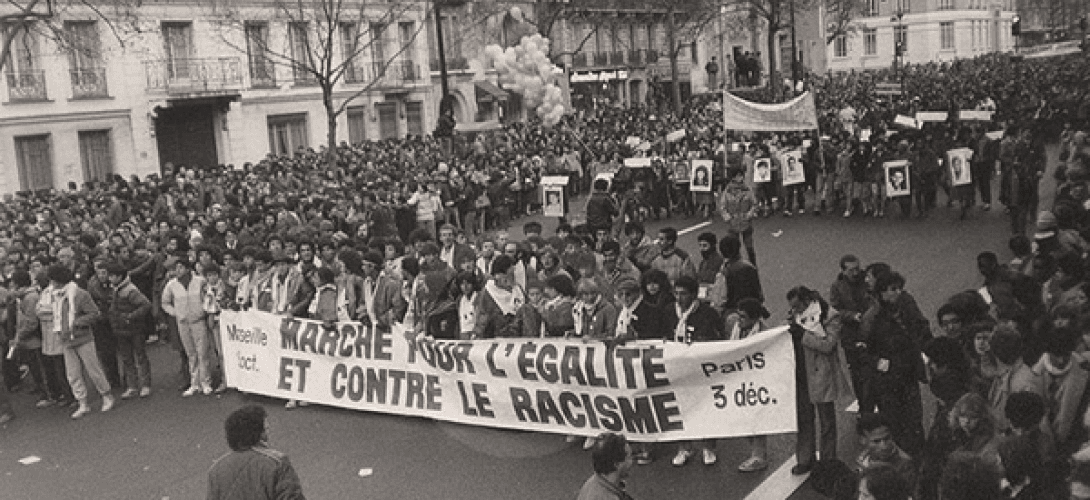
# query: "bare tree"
{"points": [[840, 16], [773, 16], [331, 44], [21, 20]]}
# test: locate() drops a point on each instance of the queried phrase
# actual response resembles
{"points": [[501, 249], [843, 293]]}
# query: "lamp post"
{"points": [[898, 44], [794, 53], [446, 124]]}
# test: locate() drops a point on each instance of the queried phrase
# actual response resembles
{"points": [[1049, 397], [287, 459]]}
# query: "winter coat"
{"points": [[129, 309], [675, 264], [184, 303], [827, 375], [1066, 396], [28, 332], [738, 207]]}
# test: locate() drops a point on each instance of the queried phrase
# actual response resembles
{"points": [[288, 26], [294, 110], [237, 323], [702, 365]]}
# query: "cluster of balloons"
{"points": [[526, 69]]}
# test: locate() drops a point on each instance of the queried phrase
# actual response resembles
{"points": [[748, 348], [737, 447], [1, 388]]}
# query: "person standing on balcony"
{"points": [[712, 68]]}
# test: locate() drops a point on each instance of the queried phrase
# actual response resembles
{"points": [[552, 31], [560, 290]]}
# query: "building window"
{"points": [[87, 71], [299, 40], [287, 133], [946, 4], [904, 6], [378, 48], [178, 48], [414, 118], [262, 73], [840, 46], [25, 78], [406, 33], [357, 125], [870, 41], [900, 38], [96, 154], [947, 32], [387, 120], [872, 7], [34, 158]]}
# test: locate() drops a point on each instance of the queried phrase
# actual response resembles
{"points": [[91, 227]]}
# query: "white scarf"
{"points": [[810, 319], [584, 315], [1046, 361], [369, 287], [681, 332], [627, 316], [280, 289], [60, 296], [736, 333], [467, 313], [313, 308], [342, 300], [509, 301]]}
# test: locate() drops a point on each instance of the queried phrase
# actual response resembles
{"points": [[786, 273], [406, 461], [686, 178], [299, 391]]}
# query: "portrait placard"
{"points": [[897, 179], [957, 161], [702, 176], [681, 171], [553, 202], [793, 173], [762, 170]]}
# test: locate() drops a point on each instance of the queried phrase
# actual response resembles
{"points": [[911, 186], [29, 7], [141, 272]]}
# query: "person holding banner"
{"points": [[748, 320], [696, 322]]}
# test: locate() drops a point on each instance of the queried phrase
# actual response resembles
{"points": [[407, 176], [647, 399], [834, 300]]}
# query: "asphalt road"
{"points": [[162, 447]]}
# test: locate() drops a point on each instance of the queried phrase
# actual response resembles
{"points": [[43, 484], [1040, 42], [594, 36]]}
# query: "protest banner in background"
{"points": [[648, 390], [796, 114]]}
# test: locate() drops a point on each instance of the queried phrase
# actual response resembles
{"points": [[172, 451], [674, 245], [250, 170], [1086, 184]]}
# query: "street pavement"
{"points": [[162, 447]]}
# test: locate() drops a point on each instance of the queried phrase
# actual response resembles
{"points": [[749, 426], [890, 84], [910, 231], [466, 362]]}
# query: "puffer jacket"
{"points": [[738, 206], [129, 309]]}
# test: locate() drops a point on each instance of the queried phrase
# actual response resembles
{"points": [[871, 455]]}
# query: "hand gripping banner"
{"points": [[796, 114], [648, 390]]}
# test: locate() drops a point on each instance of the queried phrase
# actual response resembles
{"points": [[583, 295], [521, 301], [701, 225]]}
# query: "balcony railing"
{"points": [[635, 57], [397, 74], [27, 86], [616, 58], [579, 60], [89, 83], [194, 75], [601, 59], [453, 64]]}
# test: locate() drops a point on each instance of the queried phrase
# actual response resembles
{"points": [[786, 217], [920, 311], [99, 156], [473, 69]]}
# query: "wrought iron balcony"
{"points": [[616, 58], [652, 56], [191, 75], [579, 60], [635, 57], [601, 59], [89, 83], [396, 74], [453, 64], [27, 86]]}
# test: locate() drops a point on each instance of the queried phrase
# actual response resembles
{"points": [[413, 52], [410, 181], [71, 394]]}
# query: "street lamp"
{"points": [[445, 126], [898, 44]]}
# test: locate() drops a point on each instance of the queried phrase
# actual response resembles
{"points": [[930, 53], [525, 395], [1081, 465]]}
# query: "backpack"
{"points": [[833, 478]]}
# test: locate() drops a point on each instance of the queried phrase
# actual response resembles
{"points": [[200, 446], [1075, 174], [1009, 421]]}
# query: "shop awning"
{"points": [[488, 91]]}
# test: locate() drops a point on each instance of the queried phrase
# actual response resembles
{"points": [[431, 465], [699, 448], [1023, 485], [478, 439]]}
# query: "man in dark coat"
{"points": [[601, 209]]}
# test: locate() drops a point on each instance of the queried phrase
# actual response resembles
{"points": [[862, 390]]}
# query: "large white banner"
{"points": [[648, 390], [796, 114]]}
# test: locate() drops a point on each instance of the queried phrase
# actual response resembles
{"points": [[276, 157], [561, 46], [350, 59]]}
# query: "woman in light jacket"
{"points": [[821, 373], [747, 320]]}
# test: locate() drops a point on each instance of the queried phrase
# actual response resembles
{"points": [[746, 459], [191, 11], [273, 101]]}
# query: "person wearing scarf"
{"points": [[821, 373], [595, 317], [749, 320], [323, 307], [696, 322], [74, 311], [23, 320], [500, 307], [183, 300], [128, 314]]}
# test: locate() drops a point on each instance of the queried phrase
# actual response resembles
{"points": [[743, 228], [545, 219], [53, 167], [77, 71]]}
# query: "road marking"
{"points": [[780, 484], [694, 228]]}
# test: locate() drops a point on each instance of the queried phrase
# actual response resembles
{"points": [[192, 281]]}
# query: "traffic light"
{"points": [[1016, 26]]}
